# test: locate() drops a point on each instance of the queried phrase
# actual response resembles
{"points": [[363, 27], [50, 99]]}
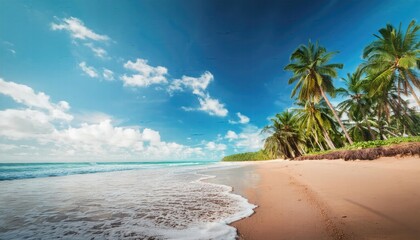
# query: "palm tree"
{"points": [[285, 139], [362, 128], [393, 113], [393, 57], [310, 68], [357, 104], [315, 119]]}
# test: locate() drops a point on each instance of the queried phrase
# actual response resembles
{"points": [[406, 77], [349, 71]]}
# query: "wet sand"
{"points": [[329, 199]]}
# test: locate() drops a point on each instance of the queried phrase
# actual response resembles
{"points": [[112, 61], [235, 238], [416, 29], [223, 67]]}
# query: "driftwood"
{"points": [[402, 149]]}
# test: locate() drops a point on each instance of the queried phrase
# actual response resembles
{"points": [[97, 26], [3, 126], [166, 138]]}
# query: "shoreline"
{"points": [[333, 199]]}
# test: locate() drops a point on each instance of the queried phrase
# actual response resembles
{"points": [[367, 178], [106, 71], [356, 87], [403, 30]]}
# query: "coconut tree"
{"points": [[314, 76], [285, 139], [393, 113], [361, 128], [315, 119], [394, 57], [357, 103]]}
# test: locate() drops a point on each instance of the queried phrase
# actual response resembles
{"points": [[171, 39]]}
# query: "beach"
{"points": [[140, 200], [329, 199]]}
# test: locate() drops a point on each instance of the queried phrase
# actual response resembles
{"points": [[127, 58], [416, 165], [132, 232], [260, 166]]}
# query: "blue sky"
{"points": [[162, 80]]}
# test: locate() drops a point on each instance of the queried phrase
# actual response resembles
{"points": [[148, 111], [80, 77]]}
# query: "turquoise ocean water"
{"points": [[132, 200], [12, 171]]}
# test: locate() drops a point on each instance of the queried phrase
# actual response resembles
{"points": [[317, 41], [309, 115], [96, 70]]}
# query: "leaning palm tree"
{"points": [[393, 113], [316, 120], [394, 57], [285, 139], [357, 104], [362, 128], [314, 74]]}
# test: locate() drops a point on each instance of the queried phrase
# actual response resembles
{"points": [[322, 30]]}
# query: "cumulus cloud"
{"points": [[98, 137], [145, 75], [98, 51], [25, 95], [212, 106], [216, 146], [108, 74], [109, 141], [25, 124], [43, 130], [250, 139], [90, 71], [231, 135], [197, 85], [77, 29], [242, 119]]}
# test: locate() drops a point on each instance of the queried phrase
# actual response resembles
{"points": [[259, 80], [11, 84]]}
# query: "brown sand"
{"points": [[334, 199]]}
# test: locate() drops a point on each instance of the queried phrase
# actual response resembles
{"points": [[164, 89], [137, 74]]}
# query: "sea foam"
{"points": [[160, 203]]}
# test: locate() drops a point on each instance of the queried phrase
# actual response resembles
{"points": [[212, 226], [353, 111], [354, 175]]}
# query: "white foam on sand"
{"points": [[146, 204]]}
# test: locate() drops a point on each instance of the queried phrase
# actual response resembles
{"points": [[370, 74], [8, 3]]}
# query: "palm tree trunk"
{"points": [[317, 142], [370, 128], [335, 115], [368, 125], [326, 136], [380, 125], [328, 140], [413, 79], [413, 93], [312, 143]]}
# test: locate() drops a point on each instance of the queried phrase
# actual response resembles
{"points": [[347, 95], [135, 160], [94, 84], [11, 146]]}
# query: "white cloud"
{"points": [[27, 96], [100, 137], [90, 71], [111, 142], [152, 136], [215, 146], [242, 119], [93, 117], [43, 131], [7, 147], [77, 29], [231, 135], [250, 139], [98, 51], [25, 124], [197, 85], [145, 76], [212, 106], [108, 74]]}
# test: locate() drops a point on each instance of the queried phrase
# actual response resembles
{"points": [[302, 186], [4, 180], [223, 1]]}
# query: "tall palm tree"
{"points": [[357, 104], [285, 139], [314, 74], [394, 57], [393, 113], [315, 119]]}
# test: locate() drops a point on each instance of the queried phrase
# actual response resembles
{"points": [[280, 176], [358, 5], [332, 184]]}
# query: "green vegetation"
{"points": [[374, 110], [376, 143], [248, 156]]}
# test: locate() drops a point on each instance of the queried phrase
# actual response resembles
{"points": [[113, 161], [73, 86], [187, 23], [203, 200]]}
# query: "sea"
{"points": [[132, 200]]}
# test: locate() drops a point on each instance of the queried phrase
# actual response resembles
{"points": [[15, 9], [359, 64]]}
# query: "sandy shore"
{"points": [[331, 199]]}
